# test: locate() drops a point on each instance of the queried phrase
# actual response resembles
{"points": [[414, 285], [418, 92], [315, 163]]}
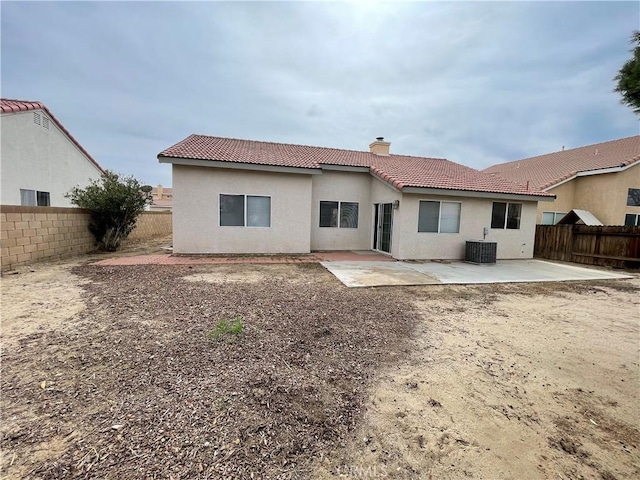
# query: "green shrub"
{"points": [[114, 203]]}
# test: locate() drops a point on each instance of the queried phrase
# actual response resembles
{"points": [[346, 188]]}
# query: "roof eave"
{"points": [[587, 173], [195, 162], [530, 197]]}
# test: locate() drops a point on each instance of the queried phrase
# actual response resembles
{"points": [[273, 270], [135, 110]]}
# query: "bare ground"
{"points": [[110, 372]]}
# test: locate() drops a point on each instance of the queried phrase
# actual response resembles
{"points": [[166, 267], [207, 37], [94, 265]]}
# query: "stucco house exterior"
{"points": [[603, 179], [234, 196], [40, 160]]}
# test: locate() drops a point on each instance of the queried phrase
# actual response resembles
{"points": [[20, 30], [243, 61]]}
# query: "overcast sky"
{"points": [[477, 83]]}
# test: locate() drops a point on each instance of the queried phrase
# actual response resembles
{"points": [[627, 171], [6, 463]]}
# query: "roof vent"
{"points": [[45, 122], [380, 147], [36, 118]]}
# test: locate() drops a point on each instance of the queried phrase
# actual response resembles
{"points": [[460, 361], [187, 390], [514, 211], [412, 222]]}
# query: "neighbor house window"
{"points": [[439, 217], [245, 210], [506, 215], [632, 219], [633, 197], [339, 214], [551, 218], [34, 198]]}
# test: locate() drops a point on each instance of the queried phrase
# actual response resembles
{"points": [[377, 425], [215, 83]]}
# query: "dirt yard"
{"points": [[113, 372]]}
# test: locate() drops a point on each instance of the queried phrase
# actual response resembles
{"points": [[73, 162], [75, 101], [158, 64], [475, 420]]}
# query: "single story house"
{"points": [[234, 196], [41, 161], [602, 179]]}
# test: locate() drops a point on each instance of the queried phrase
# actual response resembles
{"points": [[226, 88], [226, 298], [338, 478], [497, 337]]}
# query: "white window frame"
{"points": [[440, 202], [339, 202], [637, 222], [245, 195], [35, 197], [557, 216], [506, 216]]}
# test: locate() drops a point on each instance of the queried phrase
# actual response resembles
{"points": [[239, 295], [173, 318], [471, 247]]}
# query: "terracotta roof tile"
{"points": [[544, 171], [399, 170], [8, 106]]}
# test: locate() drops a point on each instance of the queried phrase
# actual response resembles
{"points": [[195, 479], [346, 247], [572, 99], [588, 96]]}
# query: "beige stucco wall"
{"points": [[196, 211], [604, 195], [36, 158], [475, 215], [341, 187]]}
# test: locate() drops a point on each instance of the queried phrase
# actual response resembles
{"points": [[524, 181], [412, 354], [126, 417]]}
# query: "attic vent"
{"points": [[36, 118], [45, 122]]}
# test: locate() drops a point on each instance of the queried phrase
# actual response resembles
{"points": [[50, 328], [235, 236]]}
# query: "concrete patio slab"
{"points": [[376, 274]]}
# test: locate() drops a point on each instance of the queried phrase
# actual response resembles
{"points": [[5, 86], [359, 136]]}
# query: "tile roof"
{"points": [[399, 170], [8, 106], [545, 171]]}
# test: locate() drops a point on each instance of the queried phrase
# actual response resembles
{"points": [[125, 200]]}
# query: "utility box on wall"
{"points": [[481, 252]]}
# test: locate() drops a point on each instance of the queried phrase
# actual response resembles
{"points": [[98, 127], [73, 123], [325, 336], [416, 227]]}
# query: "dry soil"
{"points": [[112, 372]]}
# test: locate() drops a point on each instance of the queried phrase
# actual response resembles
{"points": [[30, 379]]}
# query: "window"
{"points": [[551, 218], [339, 214], [439, 217], [632, 219], [245, 210], [506, 215], [633, 197], [33, 198]]}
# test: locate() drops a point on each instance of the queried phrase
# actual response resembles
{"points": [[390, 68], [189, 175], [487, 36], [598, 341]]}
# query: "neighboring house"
{"points": [[162, 199], [40, 160], [242, 196], [603, 179]]}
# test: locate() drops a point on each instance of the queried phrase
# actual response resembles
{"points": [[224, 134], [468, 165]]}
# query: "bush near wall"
{"points": [[32, 234]]}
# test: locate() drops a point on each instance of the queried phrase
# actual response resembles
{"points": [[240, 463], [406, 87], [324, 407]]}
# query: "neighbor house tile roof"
{"points": [[547, 170], [8, 106], [399, 170]]}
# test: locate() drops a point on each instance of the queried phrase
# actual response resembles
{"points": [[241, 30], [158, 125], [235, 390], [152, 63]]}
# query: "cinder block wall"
{"points": [[32, 234], [152, 225]]}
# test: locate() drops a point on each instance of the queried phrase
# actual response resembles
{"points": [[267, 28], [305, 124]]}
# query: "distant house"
{"points": [[243, 196], [603, 179], [162, 198], [40, 159]]}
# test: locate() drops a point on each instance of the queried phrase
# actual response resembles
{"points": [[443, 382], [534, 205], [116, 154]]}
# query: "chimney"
{"points": [[159, 191], [380, 147]]}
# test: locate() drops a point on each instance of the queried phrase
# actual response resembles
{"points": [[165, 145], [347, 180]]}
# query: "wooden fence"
{"points": [[611, 246]]}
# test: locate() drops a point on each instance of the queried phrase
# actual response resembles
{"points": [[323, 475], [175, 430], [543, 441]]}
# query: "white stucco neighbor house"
{"points": [[235, 196], [40, 160]]}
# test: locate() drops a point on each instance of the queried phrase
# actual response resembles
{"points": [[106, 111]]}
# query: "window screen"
{"points": [[548, 218], [28, 198], [348, 215], [258, 211], [449, 217], [633, 197]]}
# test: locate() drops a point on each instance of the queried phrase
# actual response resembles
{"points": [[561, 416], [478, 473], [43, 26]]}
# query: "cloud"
{"points": [[478, 83]]}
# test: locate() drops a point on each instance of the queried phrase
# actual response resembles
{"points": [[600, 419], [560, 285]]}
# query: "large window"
{"points": [[245, 210], [632, 219], [633, 197], [439, 217], [551, 218], [34, 198], [339, 214], [506, 215]]}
